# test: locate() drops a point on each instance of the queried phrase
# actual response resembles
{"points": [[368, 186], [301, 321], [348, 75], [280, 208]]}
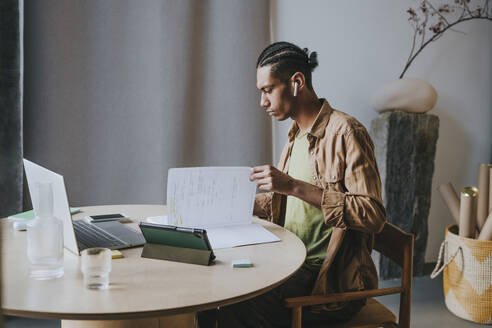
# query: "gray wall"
{"points": [[117, 92], [362, 45]]}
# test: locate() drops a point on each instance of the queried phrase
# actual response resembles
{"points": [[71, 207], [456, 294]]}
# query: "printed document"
{"points": [[218, 199]]}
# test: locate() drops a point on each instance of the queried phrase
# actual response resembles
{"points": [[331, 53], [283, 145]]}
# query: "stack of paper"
{"points": [[218, 199]]}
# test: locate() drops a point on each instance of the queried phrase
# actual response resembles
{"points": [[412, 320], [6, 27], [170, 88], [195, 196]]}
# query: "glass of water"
{"points": [[96, 266]]}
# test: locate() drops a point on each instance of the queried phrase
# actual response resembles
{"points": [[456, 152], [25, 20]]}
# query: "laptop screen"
{"points": [[36, 173]]}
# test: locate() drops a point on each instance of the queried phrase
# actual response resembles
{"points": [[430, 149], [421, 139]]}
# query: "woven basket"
{"points": [[467, 278]]}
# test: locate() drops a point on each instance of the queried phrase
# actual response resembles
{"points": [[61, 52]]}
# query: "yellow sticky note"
{"points": [[116, 254]]}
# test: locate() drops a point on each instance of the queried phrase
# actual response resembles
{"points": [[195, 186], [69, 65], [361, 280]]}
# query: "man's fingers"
{"points": [[261, 168], [266, 187], [260, 172], [264, 182], [257, 176], [257, 169]]}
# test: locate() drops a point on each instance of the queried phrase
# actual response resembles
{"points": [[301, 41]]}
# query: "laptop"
{"points": [[78, 234]]}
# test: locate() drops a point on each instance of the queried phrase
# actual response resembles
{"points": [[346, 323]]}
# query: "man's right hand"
{"points": [[269, 178]]}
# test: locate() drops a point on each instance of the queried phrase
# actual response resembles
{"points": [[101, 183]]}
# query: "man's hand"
{"points": [[271, 179]]}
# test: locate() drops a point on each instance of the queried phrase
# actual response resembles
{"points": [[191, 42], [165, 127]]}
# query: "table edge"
{"points": [[144, 314]]}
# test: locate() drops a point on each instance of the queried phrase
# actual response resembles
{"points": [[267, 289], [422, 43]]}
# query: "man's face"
{"points": [[275, 95]]}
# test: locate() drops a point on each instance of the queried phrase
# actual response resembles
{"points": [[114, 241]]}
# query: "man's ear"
{"points": [[299, 79]]}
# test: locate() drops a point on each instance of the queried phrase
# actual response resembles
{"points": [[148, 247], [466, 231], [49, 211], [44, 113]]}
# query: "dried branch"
{"points": [[445, 17], [465, 6], [436, 11]]}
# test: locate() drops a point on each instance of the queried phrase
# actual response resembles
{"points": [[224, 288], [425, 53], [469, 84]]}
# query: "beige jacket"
{"points": [[342, 163]]}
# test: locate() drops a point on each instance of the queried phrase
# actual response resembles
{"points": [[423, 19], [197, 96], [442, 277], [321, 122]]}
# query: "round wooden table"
{"points": [[143, 292]]}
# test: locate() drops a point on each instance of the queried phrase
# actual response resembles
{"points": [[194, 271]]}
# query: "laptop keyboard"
{"points": [[89, 235]]}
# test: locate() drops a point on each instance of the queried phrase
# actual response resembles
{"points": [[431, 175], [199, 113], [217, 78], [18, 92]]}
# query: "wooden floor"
{"points": [[428, 309]]}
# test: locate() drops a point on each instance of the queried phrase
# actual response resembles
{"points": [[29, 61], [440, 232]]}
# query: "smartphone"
{"points": [[105, 217]]}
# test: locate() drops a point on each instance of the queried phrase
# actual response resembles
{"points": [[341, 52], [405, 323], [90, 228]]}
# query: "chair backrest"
{"points": [[397, 245]]}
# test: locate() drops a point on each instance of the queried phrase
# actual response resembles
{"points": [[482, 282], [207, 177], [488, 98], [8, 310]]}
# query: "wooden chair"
{"points": [[395, 244]]}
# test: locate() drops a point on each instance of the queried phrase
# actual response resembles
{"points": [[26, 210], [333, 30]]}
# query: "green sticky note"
{"points": [[242, 263], [24, 215]]}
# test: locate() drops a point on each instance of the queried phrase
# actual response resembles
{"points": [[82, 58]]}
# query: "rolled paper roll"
{"points": [[468, 212], [483, 194], [448, 194], [486, 233]]}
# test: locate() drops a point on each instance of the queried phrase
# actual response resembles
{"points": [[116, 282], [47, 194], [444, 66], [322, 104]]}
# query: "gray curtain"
{"points": [[117, 92], [11, 173]]}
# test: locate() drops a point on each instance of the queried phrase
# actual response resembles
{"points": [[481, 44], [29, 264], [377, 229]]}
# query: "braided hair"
{"points": [[286, 59]]}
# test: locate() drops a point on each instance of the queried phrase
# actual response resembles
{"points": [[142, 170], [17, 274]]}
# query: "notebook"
{"points": [[218, 199]]}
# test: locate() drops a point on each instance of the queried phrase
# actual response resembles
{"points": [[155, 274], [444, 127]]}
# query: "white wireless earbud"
{"points": [[295, 89]]}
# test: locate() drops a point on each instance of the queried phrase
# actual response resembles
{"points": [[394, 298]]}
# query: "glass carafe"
{"points": [[45, 238]]}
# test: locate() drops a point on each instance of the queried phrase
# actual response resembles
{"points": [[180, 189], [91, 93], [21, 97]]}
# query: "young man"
{"points": [[326, 190]]}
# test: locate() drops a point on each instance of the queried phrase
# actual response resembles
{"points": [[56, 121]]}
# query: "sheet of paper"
{"points": [[240, 235], [205, 197], [158, 219]]}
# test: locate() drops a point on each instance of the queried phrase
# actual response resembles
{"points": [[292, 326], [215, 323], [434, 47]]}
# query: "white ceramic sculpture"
{"points": [[406, 94]]}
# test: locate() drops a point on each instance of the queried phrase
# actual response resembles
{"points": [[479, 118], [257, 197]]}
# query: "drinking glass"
{"points": [[96, 266]]}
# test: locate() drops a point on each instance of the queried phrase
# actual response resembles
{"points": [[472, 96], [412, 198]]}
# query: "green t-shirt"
{"points": [[304, 219]]}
